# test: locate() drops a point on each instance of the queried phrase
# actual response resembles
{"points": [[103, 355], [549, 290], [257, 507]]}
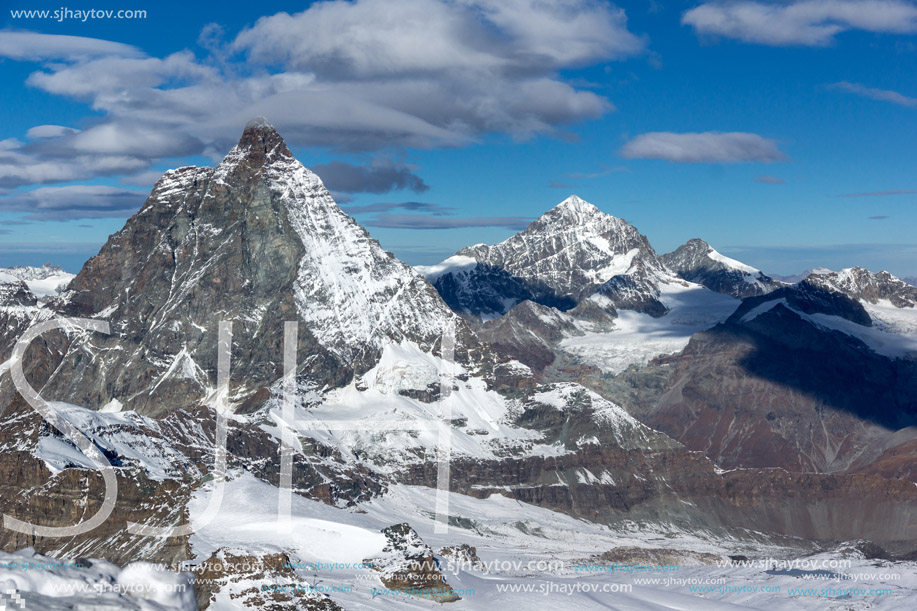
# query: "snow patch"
{"points": [[728, 262], [455, 263]]}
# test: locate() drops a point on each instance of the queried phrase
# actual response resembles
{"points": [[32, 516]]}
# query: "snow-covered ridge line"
{"points": [[44, 281], [894, 336], [721, 258]]}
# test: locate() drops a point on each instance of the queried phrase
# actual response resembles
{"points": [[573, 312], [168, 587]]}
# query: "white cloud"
{"points": [[20, 167], [107, 80], [143, 179], [380, 177], [420, 221], [125, 138], [37, 47], [40, 132], [800, 22], [372, 38], [883, 95], [74, 202], [362, 76], [703, 147]]}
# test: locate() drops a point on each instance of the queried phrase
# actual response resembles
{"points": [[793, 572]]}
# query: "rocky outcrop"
{"points": [[464, 555], [266, 581], [652, 559], [697, 261], [408, 565]]}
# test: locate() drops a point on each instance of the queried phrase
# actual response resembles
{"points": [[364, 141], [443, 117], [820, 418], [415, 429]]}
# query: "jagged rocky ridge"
{"points": [[863, 285]]}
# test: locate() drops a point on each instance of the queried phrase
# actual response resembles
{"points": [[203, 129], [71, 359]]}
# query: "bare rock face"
{"points": [[528, 333], [564, 256], [697, 261]]}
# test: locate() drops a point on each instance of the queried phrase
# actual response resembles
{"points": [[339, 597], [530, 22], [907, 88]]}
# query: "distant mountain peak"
{"points": [[565, 255], [576, 203], [697, 243], [864, 285], [572, 212], [697, 261]]}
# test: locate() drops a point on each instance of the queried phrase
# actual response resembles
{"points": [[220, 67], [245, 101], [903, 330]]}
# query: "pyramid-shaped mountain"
{"points": [[564, 256], [258, 241]]}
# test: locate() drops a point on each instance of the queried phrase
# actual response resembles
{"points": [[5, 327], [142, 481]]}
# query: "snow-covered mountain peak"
{"points": [[566, 254], [576, 214], [260, 241], [700, 252], [577, 205], [697, 261]]}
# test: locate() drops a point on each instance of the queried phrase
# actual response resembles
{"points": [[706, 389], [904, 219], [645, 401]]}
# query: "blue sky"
{"points": [[781, 132]]}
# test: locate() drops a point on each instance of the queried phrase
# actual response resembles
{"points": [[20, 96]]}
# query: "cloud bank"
{"points": [[703, 147], [800, 22], [74, 202], [883, 95]]}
